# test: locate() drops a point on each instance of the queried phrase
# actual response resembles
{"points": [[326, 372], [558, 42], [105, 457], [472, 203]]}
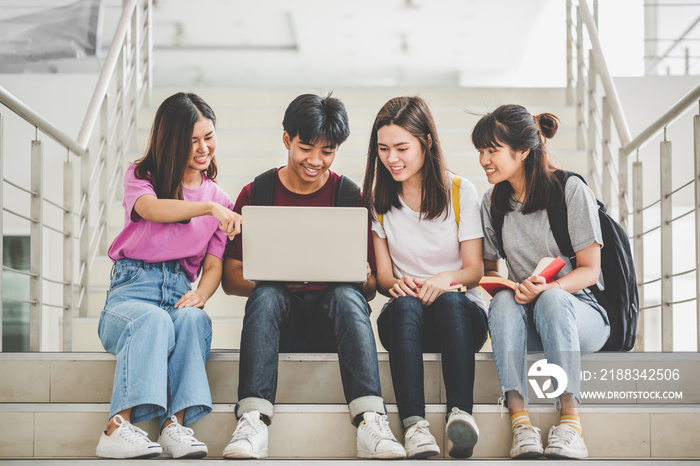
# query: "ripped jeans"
{"points": [[559, 323]]}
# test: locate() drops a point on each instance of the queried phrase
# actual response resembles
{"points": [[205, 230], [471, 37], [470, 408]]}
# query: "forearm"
{"points": [[384, 282], [171, 210], [576, 280], [233, 282], [209, 281], [468, 276]]}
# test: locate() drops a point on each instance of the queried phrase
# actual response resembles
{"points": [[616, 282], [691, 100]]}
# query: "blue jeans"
{"points": [[559, 324], [452, 326], [332, 320], [161, 351]]}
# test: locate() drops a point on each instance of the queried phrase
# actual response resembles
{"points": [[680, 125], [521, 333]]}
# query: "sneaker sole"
{"points": [[245, 455], [424, 451], [385, 455], [120, 456], [528, 455], [463, 437], [570, 456]]}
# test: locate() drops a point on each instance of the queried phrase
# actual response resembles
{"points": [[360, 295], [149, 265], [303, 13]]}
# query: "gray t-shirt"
{"points": [[527, 238]]}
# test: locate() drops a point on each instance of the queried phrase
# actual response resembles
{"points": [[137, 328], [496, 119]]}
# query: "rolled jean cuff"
{"points": [[249, 404], [409, 421], [365, 404]]}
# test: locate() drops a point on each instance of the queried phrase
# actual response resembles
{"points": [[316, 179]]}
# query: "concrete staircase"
{"points": [[53, 405]]}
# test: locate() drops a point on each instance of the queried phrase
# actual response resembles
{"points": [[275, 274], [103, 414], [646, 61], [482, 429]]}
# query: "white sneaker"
{"points": [[527, 443], [564, 442], [419, 442], [127, 441], [375, 440], [249, 439], [178, 441], [462, 434]]}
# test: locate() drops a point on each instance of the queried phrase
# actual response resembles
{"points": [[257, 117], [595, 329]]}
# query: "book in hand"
{"points": [[455, 287], [548, 268]]}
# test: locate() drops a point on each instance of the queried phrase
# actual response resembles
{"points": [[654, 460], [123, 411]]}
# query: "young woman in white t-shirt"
{"points": [[558, 318], [422, 250]]}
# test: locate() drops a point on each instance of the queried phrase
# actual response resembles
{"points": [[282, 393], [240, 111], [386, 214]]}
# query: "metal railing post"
{"points": [[622, 176], [104, 177], [592, 149], [84, 232], [638, 245], [68, 256], [580, 85], [607, 156], [135, 83], [696, 145], [569, 56], [666, 216], [149, 50], [36, 248]]}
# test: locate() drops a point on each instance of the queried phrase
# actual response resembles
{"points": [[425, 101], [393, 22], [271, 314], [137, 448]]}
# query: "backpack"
{"points": [[456, 181], [263, 190], [620, 298]]}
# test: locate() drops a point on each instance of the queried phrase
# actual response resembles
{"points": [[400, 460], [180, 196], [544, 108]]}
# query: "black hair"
{"points": [[513, 126], [317, 119]]}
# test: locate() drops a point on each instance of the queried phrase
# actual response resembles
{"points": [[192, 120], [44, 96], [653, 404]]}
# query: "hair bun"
{"points": [[548, 123]]}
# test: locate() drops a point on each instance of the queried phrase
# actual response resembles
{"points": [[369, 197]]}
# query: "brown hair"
{"points": [[515, 127], [380, 191], [170, 144]]}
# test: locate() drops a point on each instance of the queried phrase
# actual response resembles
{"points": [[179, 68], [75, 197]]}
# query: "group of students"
{"points": [[429, 232]]}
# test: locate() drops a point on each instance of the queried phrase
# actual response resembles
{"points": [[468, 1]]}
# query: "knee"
{"points": [[346, 300], [504, 312], [405, 308], [267, 297], [553, 306], [451, 304], [193, 318]]}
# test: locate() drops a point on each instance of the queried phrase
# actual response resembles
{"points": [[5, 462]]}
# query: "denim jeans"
{"points": [[452, 326], [559, 324], [332, 320], [161, 351]]}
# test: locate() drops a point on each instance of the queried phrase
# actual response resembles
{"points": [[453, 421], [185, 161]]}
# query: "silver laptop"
{"points": [[305, 244]]}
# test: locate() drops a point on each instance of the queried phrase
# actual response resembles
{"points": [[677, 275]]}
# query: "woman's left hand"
{"points": [[530, 289], [432, 288], [190, 299]]}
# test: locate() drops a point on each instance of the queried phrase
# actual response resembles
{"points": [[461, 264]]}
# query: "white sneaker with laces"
{"points": [[127, 441], [375, 440], [462, 434], [419, 442], [249, 439], [178, 441], [565, 442], [527, 443]]}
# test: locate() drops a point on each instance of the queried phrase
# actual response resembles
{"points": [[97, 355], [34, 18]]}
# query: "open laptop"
{"points": [[305, 244]]}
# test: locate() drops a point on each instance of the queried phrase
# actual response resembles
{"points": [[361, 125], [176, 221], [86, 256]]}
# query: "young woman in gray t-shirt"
{"points": [[558, 318]]}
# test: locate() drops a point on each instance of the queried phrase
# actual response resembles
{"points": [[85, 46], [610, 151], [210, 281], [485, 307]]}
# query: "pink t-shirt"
{"points": [[187, 243]]}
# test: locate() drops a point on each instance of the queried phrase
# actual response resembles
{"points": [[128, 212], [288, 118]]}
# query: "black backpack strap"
{"points": [[497, 222], [558, 220], [263, 189], [347, 194]]}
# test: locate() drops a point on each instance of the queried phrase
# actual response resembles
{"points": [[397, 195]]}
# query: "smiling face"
{"points": [[401, 153], [503, 164], [308, 163], [203, 145]]}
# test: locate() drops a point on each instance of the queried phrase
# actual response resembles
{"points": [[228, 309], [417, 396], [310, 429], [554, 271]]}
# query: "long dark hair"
{"points": [[380, 190], [514, 126], [170, 144]]}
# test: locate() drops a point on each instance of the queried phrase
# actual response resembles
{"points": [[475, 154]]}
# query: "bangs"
{"points": [[486, 133]]}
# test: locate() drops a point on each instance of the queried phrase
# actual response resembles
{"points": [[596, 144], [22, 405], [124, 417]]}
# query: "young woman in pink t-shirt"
{"points": [[175, 226]]}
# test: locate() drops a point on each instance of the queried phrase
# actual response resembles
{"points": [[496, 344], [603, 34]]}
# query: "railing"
{"points": [[127, 73], [665, 54], [597, 111]]}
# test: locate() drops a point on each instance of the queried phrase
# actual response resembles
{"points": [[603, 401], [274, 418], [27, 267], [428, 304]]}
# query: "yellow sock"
{"points": [[521, 418], [572, 421]]}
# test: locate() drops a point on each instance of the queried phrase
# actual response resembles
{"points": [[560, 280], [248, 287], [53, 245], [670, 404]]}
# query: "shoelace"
{"points": [[523, 431], [130, 432], [180, 432], [562, 434], [383, 431], [246, 426], [421, 428]]}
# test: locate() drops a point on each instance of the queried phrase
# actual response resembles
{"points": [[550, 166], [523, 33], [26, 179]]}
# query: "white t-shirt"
{"points": [[423, 248]]}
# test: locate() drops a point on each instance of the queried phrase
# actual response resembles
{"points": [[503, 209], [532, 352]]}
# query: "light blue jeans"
{"points": [[161, 351], [558, 323]]}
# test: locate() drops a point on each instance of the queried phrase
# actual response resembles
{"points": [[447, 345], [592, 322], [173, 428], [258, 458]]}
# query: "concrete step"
{"points": [[373, 98], [302, 431], [315, 378]]}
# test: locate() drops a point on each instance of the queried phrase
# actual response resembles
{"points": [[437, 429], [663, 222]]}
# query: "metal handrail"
{"points": [[106, 74], [680, 107], [31, 116], [616, 111]]}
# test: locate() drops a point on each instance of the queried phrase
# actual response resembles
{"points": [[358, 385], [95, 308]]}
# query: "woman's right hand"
{"points": [[405, 286], [229, 221]]}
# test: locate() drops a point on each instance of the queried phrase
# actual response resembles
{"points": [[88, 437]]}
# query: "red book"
{"points": [[548, 268]]}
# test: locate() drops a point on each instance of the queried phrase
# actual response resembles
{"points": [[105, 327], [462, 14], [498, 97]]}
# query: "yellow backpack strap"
{"points": [[380, 217], [455, 196]]}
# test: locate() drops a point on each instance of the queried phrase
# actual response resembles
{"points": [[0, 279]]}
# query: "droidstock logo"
{"points": [[542, 368]]}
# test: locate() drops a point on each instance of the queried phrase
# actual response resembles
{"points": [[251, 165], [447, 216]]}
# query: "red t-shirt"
{"points": [[324, 197]]}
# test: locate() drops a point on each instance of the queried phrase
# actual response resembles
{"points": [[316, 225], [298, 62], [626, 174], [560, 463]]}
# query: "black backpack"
{"points": [[620, 298], [263, 190]]}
